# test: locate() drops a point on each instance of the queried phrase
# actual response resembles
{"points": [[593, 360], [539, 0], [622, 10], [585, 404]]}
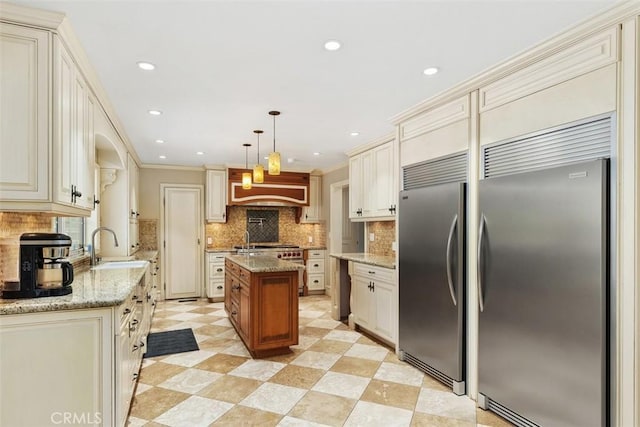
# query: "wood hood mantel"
{"points": [[286, 189]]}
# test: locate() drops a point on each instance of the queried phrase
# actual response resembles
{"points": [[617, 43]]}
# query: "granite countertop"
{"points": [[371, 259], [264, 264], [215, 250], [91, 289]]}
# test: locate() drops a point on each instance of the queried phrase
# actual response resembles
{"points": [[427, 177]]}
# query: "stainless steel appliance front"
{"points": [[432, 281], [543, 294]]}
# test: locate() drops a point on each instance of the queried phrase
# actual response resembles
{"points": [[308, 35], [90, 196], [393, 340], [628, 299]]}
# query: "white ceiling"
{"points": [[222, 65]]}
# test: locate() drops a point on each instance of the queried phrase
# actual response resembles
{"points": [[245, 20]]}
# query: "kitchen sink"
{"points": [[120, 264]]}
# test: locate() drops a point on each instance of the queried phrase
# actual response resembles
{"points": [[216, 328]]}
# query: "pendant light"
{"points": [[246, 176], [274, 157], [258, 170]]}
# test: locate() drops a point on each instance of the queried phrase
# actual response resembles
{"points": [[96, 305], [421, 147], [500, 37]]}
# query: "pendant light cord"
{"points": [[274, 132]]}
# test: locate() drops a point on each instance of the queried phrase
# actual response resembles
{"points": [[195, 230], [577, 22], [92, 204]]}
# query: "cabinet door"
{"points": [[245, 310], [312, 213], [216, 196], [134, 242], [362, 301], [24, 113], [383, 175], [355, 187], [79, 382], [133, 171], [384, 308], [64, 125], [87, 161]]}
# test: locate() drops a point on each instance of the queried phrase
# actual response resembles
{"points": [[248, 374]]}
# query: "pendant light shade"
{"points": [[274, 157], [258, 170], [246, 176]]}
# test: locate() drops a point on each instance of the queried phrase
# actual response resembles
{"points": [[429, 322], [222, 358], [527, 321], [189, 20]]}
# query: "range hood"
{"points": [[286, 189]]}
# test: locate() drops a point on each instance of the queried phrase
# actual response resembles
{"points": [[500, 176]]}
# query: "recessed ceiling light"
{"points": [[316, 154], [147, 66], [332, 45], [355, 133], [159, 141], [430, 71], [199, 153], [290, 160], [155, 112], [162, 157], [266, 157]]}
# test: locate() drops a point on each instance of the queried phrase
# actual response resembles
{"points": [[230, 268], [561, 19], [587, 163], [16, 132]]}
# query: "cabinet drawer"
{"points": [[373, 272], [244, 275], [215, 289], [315, 266], [216, 270], [232, 267], [315, 282], [316, 253]]}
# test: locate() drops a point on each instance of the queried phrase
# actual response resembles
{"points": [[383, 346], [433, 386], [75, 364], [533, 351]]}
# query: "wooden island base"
{"points": [[261, 298]]}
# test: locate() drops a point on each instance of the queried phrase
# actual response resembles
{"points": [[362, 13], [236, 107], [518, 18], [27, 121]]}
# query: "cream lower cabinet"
{"points": [[62, 362], [81, 364], [314, 272], [374, 300], [215, 269]]}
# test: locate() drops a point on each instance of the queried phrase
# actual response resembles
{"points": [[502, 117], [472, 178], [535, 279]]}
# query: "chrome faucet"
{"points": [[93, 242], [247, 240]]}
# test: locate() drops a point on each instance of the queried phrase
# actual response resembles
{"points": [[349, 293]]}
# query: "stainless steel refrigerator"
{"points": [[542, 282], [432, 281]]}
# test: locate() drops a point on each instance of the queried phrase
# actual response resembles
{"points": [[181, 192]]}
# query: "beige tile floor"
{"points": [[335, 377]]}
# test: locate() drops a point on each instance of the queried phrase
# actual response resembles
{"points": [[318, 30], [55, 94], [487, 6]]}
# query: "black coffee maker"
{"points": [[43, 271]]}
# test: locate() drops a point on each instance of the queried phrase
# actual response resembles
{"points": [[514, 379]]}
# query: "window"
{"points": [[74, 228]]}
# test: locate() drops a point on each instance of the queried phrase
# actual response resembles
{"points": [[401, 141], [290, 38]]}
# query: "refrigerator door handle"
{"points": [[480, 272], [454, 223]]}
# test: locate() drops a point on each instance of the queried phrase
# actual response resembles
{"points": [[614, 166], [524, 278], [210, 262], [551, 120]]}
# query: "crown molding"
{"points": [[600, 22], [18, 14]]}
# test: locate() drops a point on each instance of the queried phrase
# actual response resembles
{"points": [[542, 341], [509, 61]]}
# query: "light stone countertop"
{"points": [[264, 264], [91, 289], [371, 259]]}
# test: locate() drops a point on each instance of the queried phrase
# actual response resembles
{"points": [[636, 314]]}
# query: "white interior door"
{"points": [[182, 236]]}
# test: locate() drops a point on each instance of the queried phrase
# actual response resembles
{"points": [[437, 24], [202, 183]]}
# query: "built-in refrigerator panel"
{"points": [[543, 293], [431, 281]]}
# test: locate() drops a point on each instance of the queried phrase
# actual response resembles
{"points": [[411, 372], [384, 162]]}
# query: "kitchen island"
{"points": [[261, 298]]}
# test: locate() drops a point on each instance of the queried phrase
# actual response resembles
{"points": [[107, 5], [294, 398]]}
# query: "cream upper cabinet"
{"points": [[574, 83], [216, 195], [313, 212], [372, 183], [133, 176], [73, 150], [24, 114], [355, 187], [47, 119]]}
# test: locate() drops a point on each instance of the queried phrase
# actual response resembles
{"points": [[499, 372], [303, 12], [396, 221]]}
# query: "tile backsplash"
{"points": [[12, 225], [148, 234], [384, 236], [231, 233]]}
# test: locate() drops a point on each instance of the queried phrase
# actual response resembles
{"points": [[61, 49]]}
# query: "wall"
{"points": [[149, 180], [384, 235], [231, 233], [12, 225], [329, 178]]}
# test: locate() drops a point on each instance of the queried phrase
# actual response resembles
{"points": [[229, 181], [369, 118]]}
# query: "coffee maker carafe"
{"points": [[43, 271]]}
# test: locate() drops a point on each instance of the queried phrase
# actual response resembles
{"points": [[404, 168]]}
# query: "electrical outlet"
{"points": [[209, 240], [371, 237], [394, 246], [310, 239]]}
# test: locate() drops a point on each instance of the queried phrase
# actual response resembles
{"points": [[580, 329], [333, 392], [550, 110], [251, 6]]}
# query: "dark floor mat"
{"points": [[169, 342]]}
